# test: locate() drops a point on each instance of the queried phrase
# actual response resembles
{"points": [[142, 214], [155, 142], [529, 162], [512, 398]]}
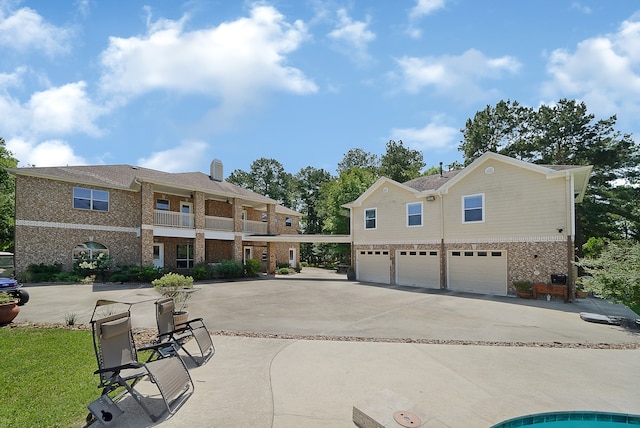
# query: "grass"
{"points": [[46, 377]]}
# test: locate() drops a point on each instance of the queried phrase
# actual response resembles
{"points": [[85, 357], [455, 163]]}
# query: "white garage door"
{"points": [[373, 266], [418, 268], [478, 271]]}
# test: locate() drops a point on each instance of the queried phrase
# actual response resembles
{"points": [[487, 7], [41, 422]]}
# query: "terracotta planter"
{"points": [[580, 294], [180, 318], [525, 294], [8, 312]]}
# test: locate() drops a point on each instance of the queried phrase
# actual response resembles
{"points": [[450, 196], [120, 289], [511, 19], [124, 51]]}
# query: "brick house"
{"points": [[143, 216], [477, 229]]}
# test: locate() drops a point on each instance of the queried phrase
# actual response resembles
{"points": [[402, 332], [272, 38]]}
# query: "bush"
{"points": [[230, 269], [282, 265], [252, 267], [66, 277], [174, 285], [43, 273], [201, 271], [135, 273], [283, 271]]}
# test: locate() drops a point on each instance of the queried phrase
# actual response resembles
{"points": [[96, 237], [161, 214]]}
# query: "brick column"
{"points": [[146, 224], [271, 256], [199, 222], [237, 229], [271, 220]]}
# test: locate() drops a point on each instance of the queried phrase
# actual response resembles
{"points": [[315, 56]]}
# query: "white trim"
{"points": [[375, 218], [57, 225], [464, 210], [421, 213]]}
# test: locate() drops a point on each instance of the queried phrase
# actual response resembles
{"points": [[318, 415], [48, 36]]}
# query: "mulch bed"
{"points": [[145, 336]]}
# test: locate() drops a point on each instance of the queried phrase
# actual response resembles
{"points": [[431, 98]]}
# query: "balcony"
{"points": [[173, 219], [186, 221]]}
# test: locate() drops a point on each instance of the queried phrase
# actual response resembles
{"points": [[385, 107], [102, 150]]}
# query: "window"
{"points": [[184, 257], [264, 217], [90, 252], [288, 222], [370, 217], [90, 199], [414, 214], [473, 208], [162, 204]]}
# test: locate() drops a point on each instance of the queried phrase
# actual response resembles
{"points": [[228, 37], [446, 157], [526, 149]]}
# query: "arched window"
{"points": [[89, 251]]}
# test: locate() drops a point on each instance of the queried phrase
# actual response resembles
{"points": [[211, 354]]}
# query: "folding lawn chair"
{"points": [[118, 366], [177, 336]]}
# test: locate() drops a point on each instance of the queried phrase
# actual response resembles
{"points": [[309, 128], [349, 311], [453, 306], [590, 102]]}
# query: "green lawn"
{"points": [[47, 377]]}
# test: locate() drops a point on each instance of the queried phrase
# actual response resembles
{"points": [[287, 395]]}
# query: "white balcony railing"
{"points": [[218, 223], [183, 220], [173, 219], [258, 227]]}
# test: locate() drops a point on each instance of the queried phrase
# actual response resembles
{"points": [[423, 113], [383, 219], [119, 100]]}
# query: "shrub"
{"points": [[201, 271], [283, 271], [230, 269], [175, 286], [65, 277], [43, 273], [252, 267], [282, 265], [523, 285], [135, 273]]}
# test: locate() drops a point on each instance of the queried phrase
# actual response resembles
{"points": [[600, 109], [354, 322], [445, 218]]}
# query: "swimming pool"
{"points": [[573, 420]]}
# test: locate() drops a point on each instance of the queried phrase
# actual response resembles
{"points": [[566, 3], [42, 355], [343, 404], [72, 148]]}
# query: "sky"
{"points": [[172, 85]]}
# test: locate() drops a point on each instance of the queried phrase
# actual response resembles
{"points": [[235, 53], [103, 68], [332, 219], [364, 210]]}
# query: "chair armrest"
{"points": [[117, 369]]}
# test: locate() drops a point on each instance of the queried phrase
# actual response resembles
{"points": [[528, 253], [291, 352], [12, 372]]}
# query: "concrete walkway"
{"points": [[474, 376]]}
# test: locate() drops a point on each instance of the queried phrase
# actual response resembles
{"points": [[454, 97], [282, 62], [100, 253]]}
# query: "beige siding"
{"points": [[518, 203], [391, 222]]}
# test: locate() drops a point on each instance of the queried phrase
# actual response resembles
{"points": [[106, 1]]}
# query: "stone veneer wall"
{"points": [[47, 233], [534, 261]]}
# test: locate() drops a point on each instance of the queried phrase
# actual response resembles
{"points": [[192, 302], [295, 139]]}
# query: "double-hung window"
{"points": [[184, 257], [162, 204], [414, 214], [288, 222], [370, 218], [90, 199], [473, 208]]}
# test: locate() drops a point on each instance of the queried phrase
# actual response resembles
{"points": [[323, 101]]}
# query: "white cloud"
{"points": [[425, 7], [421, 9], [580, 7], [64, 110], [603, 71], [433, 136], [59, 110], [354, 36], [456, 76], [25, 29], [236, 61], [178, 159], [46, 153]]}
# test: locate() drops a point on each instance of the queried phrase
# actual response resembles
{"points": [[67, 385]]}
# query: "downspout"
{"points": [[443, 256], [571, 238], [138, 182]]}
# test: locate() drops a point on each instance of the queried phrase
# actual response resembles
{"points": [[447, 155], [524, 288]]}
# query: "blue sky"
{"points": [[172, 85]]}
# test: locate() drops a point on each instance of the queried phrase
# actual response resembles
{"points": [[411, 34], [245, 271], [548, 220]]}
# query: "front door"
{"points": [[248, 254], [186, 209], [158, 255], [292, 257]]}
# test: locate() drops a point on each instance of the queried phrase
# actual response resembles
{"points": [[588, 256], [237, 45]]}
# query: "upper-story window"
{"points": [[414, 214], [90, 199], [473, 208], [288, 222], [264, 217], [370, 218], [162, 204]]}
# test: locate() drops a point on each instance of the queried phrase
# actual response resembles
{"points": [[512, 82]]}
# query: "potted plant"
{"points": [[581, 293], [524, 288], [179, 288], [9, 308]]}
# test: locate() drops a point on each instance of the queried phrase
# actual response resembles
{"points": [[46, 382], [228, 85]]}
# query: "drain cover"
{"points": [[406, 419]]}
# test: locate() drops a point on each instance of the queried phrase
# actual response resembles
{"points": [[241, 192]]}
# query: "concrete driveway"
{"points": [[304, 350]]}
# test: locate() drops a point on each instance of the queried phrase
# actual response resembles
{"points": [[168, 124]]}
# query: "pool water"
{"points": [[573, 420]]}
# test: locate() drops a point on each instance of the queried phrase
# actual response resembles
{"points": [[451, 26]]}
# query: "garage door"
{"points": [[418, 268], [373, 266], [478, 271]]}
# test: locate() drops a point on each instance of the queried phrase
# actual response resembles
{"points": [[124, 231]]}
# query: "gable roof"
{"points": [[128, 177], [440, 183], [375, 186]]}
